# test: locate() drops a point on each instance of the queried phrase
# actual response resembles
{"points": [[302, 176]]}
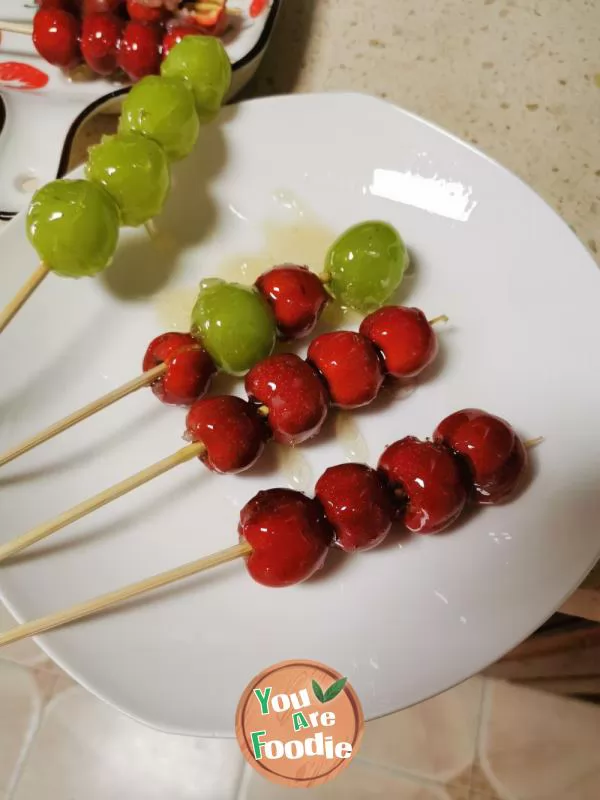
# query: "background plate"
{"points": [[31, 89], [405, 621]]}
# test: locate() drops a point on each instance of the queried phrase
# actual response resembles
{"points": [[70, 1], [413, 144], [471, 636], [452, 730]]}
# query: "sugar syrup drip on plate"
{"points": [[296, 469], [353, 443], [303, 240]]}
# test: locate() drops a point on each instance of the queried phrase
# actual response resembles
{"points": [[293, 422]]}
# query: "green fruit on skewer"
{"points": [[162, 109], [74, 227], [365, 265], [202, 62], [135, 171], [234, 323]]}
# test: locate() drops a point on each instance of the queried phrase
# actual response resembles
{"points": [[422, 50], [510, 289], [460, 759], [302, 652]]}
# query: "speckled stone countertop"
{"points": [[518, 78]]}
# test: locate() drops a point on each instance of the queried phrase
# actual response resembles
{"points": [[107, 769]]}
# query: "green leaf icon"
{"points": [[334, 690], [318, 692]]}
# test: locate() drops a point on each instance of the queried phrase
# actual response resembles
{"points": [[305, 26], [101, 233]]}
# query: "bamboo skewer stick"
{"points": [[103, 498], [89, 410], [103, 402], [16, 27], [105, 601], [118, 490], [23, 294]]}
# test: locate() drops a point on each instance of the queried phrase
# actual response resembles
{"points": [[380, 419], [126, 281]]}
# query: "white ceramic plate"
{"points": [[405, 621]]}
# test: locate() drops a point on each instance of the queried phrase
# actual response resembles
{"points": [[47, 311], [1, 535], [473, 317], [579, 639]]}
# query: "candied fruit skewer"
{"points": [[179, 371], [74, 224], [295, 549], [176, 367], [83, 413], [234, 437], [228, 434], [284, 535]]}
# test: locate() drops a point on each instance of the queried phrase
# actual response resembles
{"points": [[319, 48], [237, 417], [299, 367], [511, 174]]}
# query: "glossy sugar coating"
{"points": [[294, 394], [230, 430], [289, 535], [74, 227], [365, 265], [427, 482], [234, 323], [357, 505], [135, 171], [350, 366], [297, 297], [404, 337], [162, 109], [203, 63], [493, 454]]}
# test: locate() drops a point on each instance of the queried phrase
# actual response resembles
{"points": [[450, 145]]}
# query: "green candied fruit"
{"points": [[204, 65], [135, 171], [235, 324], [74, 227], [162, 109], [366, 265]]}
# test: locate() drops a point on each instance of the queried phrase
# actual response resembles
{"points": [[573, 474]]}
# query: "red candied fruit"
{"points": [[293, 393], [189, 368], [56, 37], [427, 482], [297, 297], [231, 431], [175, 35], [139, 51], [289, 535], [145, 13], [98, 6], [350, 367], [357, 505], [405, 338], [100, 34], [493, 453], [67, 5]]}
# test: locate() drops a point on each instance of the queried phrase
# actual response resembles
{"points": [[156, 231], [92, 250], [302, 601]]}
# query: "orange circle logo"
{"points": [[299, 723]]}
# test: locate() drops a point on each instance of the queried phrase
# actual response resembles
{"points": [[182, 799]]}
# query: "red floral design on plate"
{"points": [[257, 7], [15, 75]]}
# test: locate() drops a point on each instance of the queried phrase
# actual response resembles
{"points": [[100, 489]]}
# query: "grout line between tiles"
{"points": [[398, 772], [481, 718], [244, 781], [27, 741], [237, 792], [500, 791]]}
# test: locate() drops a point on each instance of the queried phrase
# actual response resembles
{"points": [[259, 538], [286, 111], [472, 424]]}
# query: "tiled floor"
{"points": [[483, 740]]}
